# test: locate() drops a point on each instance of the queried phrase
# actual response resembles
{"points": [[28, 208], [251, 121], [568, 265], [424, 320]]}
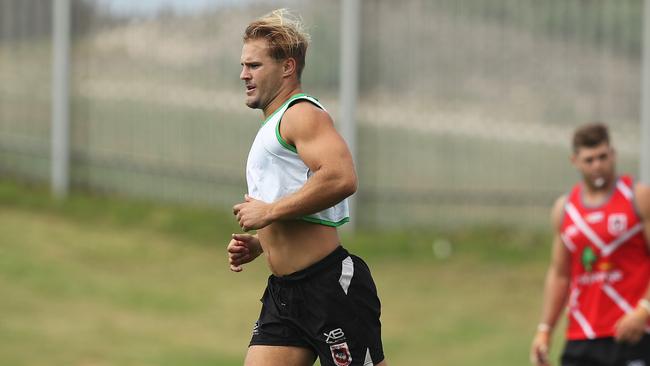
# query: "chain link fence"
{"points": [[465, 109]]}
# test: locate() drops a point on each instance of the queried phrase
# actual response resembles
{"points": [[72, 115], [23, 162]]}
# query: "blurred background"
{"points": [[464, 115]]}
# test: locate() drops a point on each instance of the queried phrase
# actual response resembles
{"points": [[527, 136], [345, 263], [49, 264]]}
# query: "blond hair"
{"points": [[285, 35]]}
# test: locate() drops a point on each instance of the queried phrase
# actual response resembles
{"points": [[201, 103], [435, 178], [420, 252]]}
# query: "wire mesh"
{"points": [[465, 109]]}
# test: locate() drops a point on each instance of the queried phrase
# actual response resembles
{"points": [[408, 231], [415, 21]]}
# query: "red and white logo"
{"points": [[617, 223], [341, 354]]}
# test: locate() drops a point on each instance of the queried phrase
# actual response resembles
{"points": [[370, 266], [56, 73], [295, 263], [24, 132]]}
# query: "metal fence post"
{"points": [[60, 174], [349, 83], [644, 159]]}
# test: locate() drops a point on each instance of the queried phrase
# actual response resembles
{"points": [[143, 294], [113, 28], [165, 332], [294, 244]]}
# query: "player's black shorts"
{"points": [[606, 352], [330, 307]]}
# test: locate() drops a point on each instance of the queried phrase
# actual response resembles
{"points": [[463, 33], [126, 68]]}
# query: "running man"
{"points": [[320, 300], [600, 266]]}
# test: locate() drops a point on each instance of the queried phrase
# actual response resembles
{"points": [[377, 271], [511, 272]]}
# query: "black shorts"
{"points": [[330, 307], [606, 352]]}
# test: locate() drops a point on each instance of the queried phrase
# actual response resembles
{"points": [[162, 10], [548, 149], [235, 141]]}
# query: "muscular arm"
{"points": [[326, 154], [324, 151], [631, 327], [556, 289], [642, 196], [642, 200], [558, 277]]}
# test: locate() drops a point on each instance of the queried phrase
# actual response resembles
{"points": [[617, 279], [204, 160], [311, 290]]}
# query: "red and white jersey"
{"points": [[610, 261]]}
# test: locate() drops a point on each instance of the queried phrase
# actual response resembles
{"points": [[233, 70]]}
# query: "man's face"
{"points": [[262, 75], [596, 164]]}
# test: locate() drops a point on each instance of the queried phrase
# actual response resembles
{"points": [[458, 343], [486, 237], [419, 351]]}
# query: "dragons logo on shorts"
{"points": [[341, 354]]}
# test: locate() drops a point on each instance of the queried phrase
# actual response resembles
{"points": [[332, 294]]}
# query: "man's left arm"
{"points": [[323, 150], [632, 326]]}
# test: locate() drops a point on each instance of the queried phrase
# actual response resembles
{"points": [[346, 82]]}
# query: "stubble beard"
{"points": [[253, 103]]}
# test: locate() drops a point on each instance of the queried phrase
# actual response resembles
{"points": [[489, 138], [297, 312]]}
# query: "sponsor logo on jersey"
{"points": [[590, 278], [588, 258], [595, 217], [341, 354], [605, 266]]}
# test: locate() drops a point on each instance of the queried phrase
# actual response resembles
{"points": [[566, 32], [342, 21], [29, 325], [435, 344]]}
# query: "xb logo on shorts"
{"points": [[334, 336], [340, 352]]}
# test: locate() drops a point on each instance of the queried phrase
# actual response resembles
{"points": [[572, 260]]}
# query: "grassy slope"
{"points": [[101, 281]]}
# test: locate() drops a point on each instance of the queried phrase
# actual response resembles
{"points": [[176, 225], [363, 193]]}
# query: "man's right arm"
{"points": [[556, 290]]}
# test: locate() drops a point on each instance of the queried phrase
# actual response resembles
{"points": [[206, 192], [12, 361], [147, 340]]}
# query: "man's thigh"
{"points": [[279, 356]]}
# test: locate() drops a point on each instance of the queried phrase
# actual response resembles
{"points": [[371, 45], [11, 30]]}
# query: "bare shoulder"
{"points": [[557, 211], [306, 115], [304, 121], [642, 198]]}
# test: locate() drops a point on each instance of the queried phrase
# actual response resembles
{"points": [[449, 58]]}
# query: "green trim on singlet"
{"points": [[284, 144], [315, 220], [282, 141], [291, 98]]}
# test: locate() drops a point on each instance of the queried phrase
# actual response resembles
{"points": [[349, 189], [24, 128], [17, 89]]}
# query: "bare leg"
{"points": [[279, 356]]}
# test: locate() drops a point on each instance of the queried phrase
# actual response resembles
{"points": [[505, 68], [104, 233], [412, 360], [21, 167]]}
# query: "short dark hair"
{"points": [[590, 135]]}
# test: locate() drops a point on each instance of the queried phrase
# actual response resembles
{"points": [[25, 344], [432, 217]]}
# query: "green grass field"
{"points": [[106, 281]]}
